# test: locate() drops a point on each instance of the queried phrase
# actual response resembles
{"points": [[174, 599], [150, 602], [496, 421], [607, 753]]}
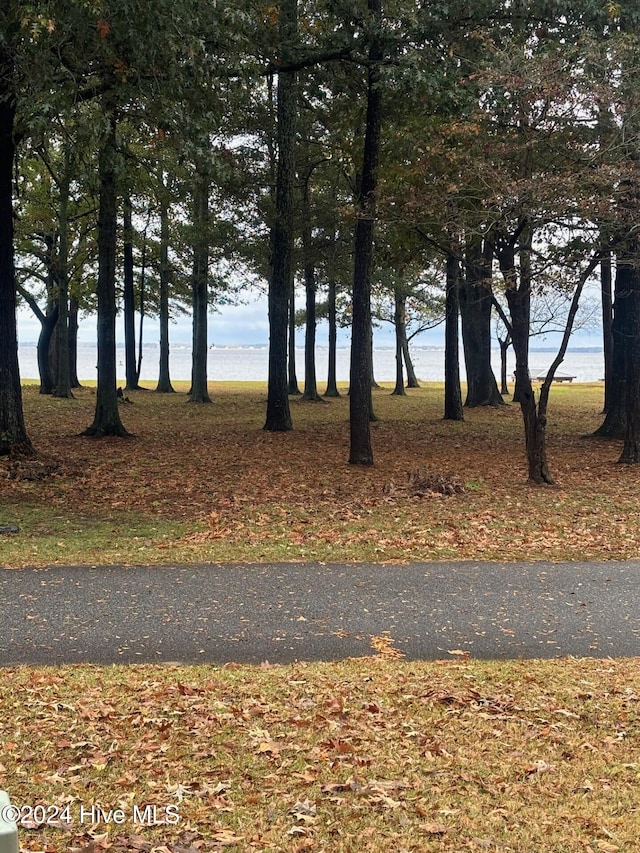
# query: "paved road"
{"points": [[285, 612]]}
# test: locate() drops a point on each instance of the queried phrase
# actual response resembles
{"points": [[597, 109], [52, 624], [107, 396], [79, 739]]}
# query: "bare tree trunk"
{"points": [[278, 412], [294, 389], [332, 385], [129, 302], [13, 433], [615, 422], [73, 342], [453, 410], [504, 350], [607, 331], [62, 375], [412, 379], [475, 305], [107, 415], [360, 404], [310, 381], [399, 325], [164, 385], [629, 278], [200, 290], [142, 306], [518, 294]]}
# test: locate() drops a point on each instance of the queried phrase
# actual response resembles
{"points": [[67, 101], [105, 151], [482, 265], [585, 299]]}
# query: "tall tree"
{"points": [[164, 385], [200, 285], [128, 296], [106, 419], [475, 308], [360, 404], [452, 393], [13, 433], [278, 413]]}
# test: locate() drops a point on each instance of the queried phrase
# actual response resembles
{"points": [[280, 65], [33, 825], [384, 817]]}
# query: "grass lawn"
{"points": [[375, 754]]}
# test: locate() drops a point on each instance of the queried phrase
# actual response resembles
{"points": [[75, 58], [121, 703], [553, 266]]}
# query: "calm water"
{"points": [[250, 364]]}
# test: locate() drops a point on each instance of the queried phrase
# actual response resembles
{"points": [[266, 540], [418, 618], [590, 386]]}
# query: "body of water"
{"points": [[251, 363]]}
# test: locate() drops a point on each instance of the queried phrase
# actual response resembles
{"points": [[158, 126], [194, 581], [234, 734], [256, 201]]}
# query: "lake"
{"points": [[251, 363]]}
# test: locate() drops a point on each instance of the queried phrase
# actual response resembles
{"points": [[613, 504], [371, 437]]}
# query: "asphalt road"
{"points": [[286, 612]]}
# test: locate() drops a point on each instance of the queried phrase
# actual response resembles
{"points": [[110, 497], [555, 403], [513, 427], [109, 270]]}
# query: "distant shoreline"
{"points": [[320, 347]]}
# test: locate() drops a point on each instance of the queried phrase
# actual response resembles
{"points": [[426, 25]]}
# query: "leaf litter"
{"points": [[371, 754], [375, 754], [207, 483]]}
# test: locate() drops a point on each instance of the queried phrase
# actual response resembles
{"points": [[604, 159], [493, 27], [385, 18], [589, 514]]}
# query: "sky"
{"points": [[243, 325], [247, 325]]}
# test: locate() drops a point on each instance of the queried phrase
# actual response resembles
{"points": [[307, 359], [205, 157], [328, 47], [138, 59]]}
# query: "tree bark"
{"points": [[534, 424], [475, 308], [629, 278], [200, 290], [453, 410], [73, 342], [412, 379], [142, 306], [278, 412], [164, 385], [400, 327], [294, 389], [372, 376], [44, 349], [310, 380], [615, 422], [13, 433], [332, 384], [607, 332], [504, 343], [107, 415], [518, 294], [62, 375], [129, 302], [360, 405]]}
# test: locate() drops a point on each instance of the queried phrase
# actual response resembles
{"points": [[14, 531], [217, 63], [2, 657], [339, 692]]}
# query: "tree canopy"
{"points": [[164, 154]]}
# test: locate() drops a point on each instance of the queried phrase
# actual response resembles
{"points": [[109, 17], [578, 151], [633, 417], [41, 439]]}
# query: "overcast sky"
{"points": [[248, 325]]}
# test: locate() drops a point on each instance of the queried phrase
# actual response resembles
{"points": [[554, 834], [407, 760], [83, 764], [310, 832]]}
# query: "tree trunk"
{"points": [[47, 319], [43, 349], [129, 301], [13, 433], [360, 405], [535, 423], [372, 376], [294, 390], [504, 350], [475, 308], [164, 380], [278, 412], [107, 415], [143, 278], [607, 332], [310, 379], [62, 374], [200, 291], [615, 422], [629, 277], [400, 327], [73, 342], [412, 379], [452, 393], [332, 384]]}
